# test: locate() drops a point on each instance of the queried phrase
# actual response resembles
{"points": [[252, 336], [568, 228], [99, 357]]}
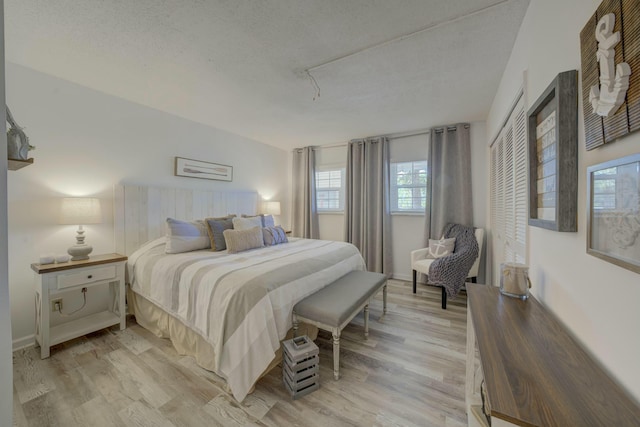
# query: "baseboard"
{"points": [[24, 342], [406, 278]]}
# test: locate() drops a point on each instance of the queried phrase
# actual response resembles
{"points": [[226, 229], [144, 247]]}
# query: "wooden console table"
{"points": [[535, 373]]}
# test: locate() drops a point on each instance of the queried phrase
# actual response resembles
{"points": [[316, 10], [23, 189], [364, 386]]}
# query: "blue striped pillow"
{"points": [[274, 235]]}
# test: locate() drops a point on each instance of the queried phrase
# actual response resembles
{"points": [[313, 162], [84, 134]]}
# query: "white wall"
{"points": [[596, 300], [88, 141], [6, 364], [408, 231]]}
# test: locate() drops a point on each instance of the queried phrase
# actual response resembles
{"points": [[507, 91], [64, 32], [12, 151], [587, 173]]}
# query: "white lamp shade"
{"points": [[80, 211], [271, 208]]}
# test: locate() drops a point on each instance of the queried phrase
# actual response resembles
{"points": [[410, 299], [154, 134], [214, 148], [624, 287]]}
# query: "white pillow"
{"points": [[186, 236], [247, 223], [441, 248]]}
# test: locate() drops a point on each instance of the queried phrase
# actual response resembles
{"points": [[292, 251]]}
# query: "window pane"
{"points": [[604, 186], [329, 189], [409, 186]]}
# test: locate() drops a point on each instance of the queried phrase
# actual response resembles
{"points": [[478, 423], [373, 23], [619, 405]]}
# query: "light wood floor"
{"points": [[410, 372]]}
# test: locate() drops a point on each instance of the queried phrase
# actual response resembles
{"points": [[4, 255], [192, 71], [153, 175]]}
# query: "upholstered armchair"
{"points": [[421, 264]]}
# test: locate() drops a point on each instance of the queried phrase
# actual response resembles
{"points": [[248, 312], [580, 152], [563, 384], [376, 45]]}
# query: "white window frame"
{"points": [[393, 189], [325, 169]]}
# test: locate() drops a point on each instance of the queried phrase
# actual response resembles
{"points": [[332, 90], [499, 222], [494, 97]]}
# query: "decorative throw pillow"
{"points": [[441, 248], [186, 236], [267, 220], [274, 235], [216, 227], [247, 223], [242, 240]]}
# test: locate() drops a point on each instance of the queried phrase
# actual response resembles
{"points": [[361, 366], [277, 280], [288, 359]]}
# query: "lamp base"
{"points": [[79, 252]]}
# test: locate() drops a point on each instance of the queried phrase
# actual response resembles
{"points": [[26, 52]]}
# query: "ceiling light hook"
{"points": [[314, 83]]}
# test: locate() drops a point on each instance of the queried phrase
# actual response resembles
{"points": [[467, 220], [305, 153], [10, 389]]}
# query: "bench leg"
{"points": [[295, 325], [336, 355], [384, 300], [366, 322]]}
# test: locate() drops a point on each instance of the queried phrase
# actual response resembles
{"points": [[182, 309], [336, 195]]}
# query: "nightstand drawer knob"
{"points": [[90, 276]]}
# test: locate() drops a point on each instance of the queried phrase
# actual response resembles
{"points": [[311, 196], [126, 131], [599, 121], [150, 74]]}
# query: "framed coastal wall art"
{"points": [[203, 170], [610, 56], [553, 155], [613, 221]]}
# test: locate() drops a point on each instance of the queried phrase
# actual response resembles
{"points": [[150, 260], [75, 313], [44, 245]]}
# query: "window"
{"points": [[409, 186], [330, 190], [604, 189]]}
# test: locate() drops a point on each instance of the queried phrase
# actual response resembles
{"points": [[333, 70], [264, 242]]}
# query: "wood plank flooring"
{"points": [[410, 372]]}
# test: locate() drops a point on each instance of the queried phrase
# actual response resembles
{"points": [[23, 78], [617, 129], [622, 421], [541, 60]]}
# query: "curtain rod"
{"points": [[392, 136]]}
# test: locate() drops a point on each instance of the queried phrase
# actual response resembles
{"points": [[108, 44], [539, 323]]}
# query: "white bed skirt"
{"points": [[184, 340]]}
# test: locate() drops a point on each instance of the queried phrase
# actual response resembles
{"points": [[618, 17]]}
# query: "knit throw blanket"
{"points": [[452, 270]]}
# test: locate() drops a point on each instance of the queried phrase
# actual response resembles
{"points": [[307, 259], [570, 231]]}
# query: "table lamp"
{"points": [[271, 208], [80, 211]]}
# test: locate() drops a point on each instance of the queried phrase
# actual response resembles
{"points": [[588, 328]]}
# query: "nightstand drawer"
{"points": [[87, 276]]}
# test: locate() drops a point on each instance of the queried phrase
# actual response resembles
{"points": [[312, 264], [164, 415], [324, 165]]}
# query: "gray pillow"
{"points": [[441, 248], [274, 235], [242, 240], [186, 236], [216, 227]]}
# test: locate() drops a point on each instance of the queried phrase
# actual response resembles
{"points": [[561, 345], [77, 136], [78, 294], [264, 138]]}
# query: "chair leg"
{"points": [[415, 275], [444, 298]]}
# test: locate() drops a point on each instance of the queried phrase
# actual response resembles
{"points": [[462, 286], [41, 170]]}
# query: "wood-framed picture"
{"points": [[553, 155], [613, 221], [203, 170]]}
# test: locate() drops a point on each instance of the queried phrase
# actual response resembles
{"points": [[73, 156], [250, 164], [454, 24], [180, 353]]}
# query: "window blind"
{"points": [[508, 193]]}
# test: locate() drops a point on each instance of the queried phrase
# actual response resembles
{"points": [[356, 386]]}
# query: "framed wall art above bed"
{"points": [[203, 170]]}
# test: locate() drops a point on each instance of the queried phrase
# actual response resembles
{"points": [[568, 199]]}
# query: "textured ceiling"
{"points": [[239, 65]]}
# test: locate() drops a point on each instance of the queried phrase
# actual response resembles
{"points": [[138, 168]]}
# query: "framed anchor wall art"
{"points": [[610, 51]]}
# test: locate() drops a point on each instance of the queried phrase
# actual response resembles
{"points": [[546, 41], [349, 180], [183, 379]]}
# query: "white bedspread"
{"points": [[241, 303]]}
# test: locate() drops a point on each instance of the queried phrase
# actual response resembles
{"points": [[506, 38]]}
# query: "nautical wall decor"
{"points": [[609, 95], [17, 141], [610, 48]]}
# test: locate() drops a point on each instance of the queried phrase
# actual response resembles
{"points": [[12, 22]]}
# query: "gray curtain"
{"points": [[449, 191], [367, 218], [304, 218]]}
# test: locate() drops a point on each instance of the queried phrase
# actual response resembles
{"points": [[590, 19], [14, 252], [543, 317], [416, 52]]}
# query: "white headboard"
{"points": [[140, 212]]}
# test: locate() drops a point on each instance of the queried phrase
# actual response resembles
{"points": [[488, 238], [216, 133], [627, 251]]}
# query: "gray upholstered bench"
{"points": [[333, 307]]}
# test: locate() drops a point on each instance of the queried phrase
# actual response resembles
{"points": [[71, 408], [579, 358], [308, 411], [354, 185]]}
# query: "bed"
{"points": [[229, 311]]}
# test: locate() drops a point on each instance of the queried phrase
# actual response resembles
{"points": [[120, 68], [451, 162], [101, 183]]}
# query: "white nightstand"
{"points": [[54, 279]]}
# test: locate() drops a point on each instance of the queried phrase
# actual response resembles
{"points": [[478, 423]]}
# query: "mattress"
{"points": [[238, 304]]}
